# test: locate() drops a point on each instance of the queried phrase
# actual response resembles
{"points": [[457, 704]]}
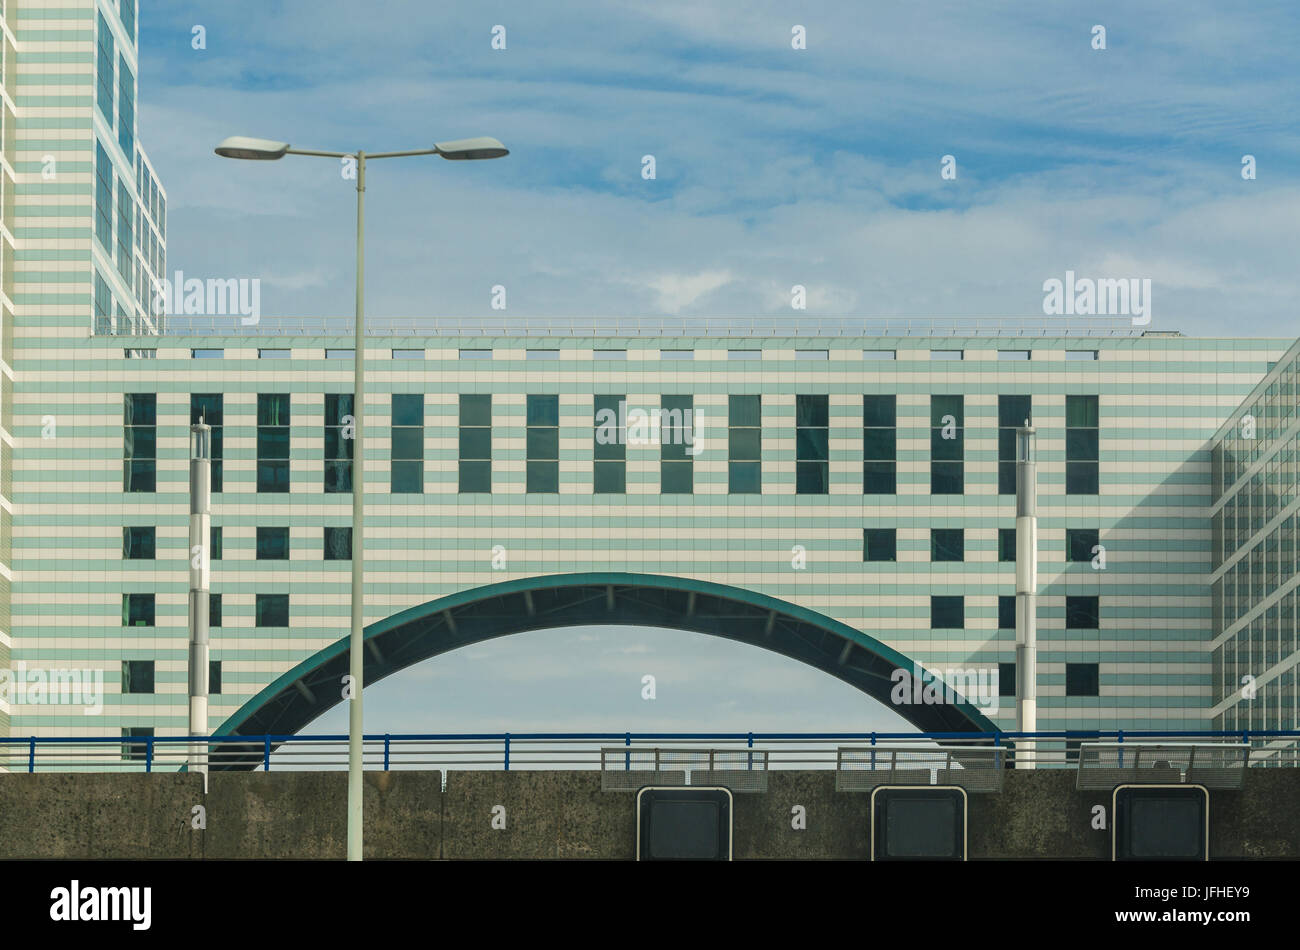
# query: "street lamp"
{"points": [[264, 150]]}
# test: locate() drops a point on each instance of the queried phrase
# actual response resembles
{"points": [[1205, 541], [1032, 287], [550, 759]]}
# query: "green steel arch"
{"points": [[564, 600]]}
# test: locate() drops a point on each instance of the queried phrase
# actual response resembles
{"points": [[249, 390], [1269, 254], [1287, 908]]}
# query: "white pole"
{"points": [[1026, 594], [200, 558], [356, 661]]}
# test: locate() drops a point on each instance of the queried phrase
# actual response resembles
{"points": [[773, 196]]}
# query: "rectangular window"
{"points": [[947, 445], [1082, 613], [137, 676], [127, 12], [139, 544], [879, 544], [214, 677], [273, 544], [408, 444], [210, 409], [140, 443], [609, 354], [1006, 544], [542, 354], [947, 544], [1081, 354], [338, 544], [812, 354], [339, 443], [676, 354], [609, 446], [136, 354], [272, 610], [1013, 413], [1082, 679], [125, 214], [340, 354], [137, 610], [676, 427], [1006, 679], [1006, 612], [1013, 354], [1079, 543], [880, 354], [542, 435], [744, 445], [947, 613], [879, 445], [812, 445], [104, 201], [408, 354], [136, 751], [744, 354], [207, 354], [214, 610], [104, 69], [125, 106], [475, 443], [476, 354], [273, 442], [947, 354], [265, 354], [214, 543], [1082, 435]]}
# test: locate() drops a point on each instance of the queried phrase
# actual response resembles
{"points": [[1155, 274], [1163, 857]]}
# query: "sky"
{"points": [[774, 166]]}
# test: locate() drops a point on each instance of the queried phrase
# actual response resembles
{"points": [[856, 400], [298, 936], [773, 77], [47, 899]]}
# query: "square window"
{"points": [[676, 478], [137, 610], [1082, 613], [609, 478], [1081, 478], [139, 544], [137, 676], [338, 544], [744, 478], [947, 613], [476, 409], [947, 478], [475, 477], [947, 544], [879, 544], [1082, 679], [407, 478], [272, 610], [879, 478], [136, 751], [1079, 543], [273, 544], [543, 477]]}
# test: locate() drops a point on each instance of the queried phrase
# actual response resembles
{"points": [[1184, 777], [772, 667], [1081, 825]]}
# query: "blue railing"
{"points": [[553, 749]]}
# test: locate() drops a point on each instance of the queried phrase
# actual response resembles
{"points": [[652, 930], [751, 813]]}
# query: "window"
{"points": [[1013, 413], [476, 354], [125, 106], [812, 354], [136, 354], [1082, 613], [744, 354], [140, 443], [408, 444], [609, 354], [676, 354], [338, 544], [1006, 612], [542, 354], [127, 12], [137, 676], [1013, 354], [947, 446], [1006, 679], [273, 544], [744, 445], [264, 354], [273, 442], [1081, 445], [947, 354], [104, 69], [879, 445], [210, 409], [947, 613], [139, 544], [214, 543], [1006, 544], [207, 354], [609, 445], [339, 354], [475, 443], [137, 610], [812, 445], [1081, 354], [1079, 543], [339, 442], [947, 544], [136, 751], [214, 610], [879, 544], [676, 429], [272, 610], [103, 200], [408, 354], [125, 213], [1082, 679], [214, 677], [879, 354], [542, 444]]}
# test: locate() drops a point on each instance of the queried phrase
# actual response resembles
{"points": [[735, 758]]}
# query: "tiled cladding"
{"points": [[1255, 517], [1159, 402]]}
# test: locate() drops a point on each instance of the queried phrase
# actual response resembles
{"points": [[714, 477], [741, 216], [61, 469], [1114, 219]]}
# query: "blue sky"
{"points": [[775, 167]]}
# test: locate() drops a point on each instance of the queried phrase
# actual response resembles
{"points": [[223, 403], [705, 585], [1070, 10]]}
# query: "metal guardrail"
{"points": [[704, 327], [946, 753]]}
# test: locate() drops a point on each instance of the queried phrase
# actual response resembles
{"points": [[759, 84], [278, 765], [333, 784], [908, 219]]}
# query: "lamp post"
{"points": [[264, 150]]}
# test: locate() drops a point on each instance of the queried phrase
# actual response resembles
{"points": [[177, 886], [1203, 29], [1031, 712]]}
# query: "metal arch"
{"points": [[559, 600]]}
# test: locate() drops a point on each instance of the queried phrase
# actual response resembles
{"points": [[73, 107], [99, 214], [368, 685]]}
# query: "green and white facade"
{"points": [[82, 215]]}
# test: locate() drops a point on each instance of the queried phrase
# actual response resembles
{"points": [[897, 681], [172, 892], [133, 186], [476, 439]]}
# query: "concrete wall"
{"points": [[557, 815]]}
